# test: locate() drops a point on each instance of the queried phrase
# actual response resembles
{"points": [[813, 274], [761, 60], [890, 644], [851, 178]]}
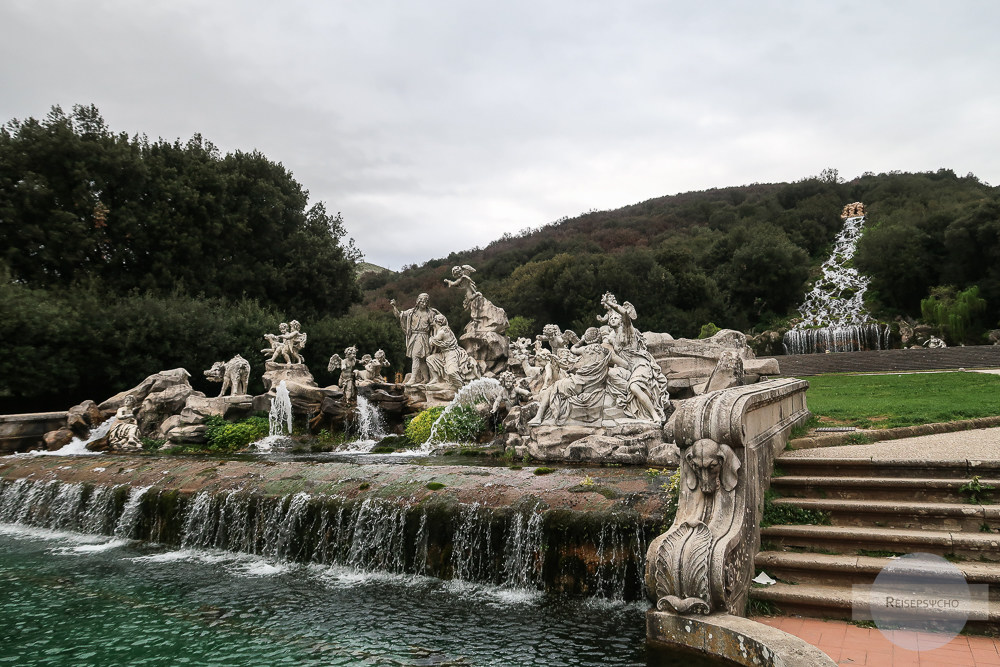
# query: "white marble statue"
{"points": [[609, 376], [371, 368], [579, 396], [346, 367], [636, 381], [286, 343], [485, 336], [511, 394], [557, 340], [124, 434], [417, 323], [449, 364], [233, 374]]}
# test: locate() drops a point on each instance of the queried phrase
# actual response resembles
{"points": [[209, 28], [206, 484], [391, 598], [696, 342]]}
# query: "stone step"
{"points": [[851, 604], [854, 539], [926, 489], [815, 466], [902, 514], [847, 570]]}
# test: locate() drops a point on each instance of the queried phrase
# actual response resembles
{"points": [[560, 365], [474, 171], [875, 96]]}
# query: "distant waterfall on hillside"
{"points": [[834, 318]]}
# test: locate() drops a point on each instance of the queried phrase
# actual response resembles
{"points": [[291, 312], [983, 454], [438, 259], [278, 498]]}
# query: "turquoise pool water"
{"points": [[72, 599]]}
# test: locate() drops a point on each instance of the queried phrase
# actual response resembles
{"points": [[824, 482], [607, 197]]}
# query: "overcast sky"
{"points": [[438, 125]]}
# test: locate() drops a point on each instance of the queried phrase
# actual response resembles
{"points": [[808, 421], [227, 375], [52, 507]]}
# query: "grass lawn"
{"points": [[886, 401]]}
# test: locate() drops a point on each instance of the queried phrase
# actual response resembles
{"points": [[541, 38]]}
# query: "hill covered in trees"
{"points": [[739, 257]]}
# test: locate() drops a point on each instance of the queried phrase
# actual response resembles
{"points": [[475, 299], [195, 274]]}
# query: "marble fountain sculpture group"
{"points": [[614, 394]]}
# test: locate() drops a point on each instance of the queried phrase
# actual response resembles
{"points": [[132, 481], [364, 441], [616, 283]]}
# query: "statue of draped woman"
{"points": [[449, 363], [635, 380]]}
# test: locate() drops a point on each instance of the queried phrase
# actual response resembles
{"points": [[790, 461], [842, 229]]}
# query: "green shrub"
{"points": [[708, 330], [544, 471], [152, 444], [434, 486], [462, 424], [419, 428], [224, 436]]}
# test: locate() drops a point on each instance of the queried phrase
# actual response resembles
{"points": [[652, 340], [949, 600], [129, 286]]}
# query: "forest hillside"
{"points": [[739, 257]]}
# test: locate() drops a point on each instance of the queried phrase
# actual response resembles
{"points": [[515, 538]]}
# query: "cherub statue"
{"points": [[296, 341], [557, 340], [362, 376], [375, 366], [277, 342], [346, 366], [286, 343], [511, 393], [464, 280]]}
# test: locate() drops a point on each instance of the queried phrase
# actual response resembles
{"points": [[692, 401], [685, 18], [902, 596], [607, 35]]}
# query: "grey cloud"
{"points": [[440, 125]]}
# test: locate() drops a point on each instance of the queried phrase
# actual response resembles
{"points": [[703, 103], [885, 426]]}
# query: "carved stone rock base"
{"points": [[274, 373], [424, 396], [614, 442], [388, 396], [188, 426]]}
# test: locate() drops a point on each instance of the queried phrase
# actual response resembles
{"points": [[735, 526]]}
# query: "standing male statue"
{"points": [[417, 323]]}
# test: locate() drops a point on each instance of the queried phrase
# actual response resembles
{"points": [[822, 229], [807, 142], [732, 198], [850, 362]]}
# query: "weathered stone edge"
{"points": [[835, 439], [739, 640]]}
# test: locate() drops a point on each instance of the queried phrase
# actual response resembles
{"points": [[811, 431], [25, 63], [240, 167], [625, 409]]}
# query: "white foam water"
{"points": [[77, 446], [280, 416]]}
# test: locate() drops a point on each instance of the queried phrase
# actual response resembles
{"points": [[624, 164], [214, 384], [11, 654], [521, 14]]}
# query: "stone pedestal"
{"points": [[274, 373]]}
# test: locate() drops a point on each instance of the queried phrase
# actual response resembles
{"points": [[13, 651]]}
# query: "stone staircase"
{"points": [[877, 510]]}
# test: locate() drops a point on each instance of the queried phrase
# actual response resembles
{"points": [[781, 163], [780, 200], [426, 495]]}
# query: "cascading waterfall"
{"points": [[280, 417], [477, 391], [77, 507], [834, 318], [518, 548], [126, 524], [371, 426]]}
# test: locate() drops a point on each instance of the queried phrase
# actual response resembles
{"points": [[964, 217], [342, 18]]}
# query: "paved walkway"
{"points": [[848, 644], [981, 444]]}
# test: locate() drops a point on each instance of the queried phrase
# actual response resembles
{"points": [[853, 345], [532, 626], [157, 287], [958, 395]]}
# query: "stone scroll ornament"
{"points": [[728, 439], [686, 556]]}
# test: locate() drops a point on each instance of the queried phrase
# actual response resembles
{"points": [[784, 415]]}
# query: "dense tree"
{"points": [[79, 203]]}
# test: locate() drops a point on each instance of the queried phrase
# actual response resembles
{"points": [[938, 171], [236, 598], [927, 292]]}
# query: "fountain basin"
{"points": [[513, 528]]}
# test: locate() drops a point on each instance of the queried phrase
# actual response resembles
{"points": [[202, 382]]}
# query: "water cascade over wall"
{"points": [[834, 318], [519, 547]]}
